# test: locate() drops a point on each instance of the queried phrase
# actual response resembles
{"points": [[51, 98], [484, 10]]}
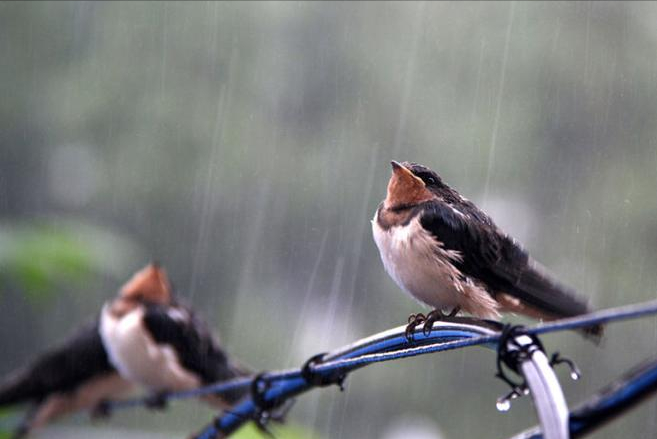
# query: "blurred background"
{"points": [[246, 146]]}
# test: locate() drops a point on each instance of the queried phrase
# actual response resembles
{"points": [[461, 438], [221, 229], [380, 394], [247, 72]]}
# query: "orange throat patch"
{"points": [[150, 284], [405, 189]]}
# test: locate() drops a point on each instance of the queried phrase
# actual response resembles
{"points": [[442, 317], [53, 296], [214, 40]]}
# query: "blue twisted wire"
{"points": [[612, 401], [390, 345]]}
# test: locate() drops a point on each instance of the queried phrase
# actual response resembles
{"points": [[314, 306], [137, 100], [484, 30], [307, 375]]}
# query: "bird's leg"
{"points": [[157, 400], [101, 410], [414, 320], [25, 425], [435, 316], [454, 312], [280, 413], [432, 317]]}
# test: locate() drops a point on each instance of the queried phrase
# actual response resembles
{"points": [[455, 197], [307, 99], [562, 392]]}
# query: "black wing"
{"points": [[196, 348], [496, 259], [61, 369]]}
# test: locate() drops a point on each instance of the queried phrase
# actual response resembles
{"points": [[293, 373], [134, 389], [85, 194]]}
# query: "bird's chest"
{"points": [[418, 263], [130, 348], [138, 357]]}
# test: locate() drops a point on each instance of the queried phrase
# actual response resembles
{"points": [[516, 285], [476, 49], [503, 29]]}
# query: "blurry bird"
{"points": [[446, 253], [153, 340], [71, 377]]}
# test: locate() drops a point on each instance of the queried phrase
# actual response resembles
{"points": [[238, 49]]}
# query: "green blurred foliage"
{"points": [[250, 431], [41, 258], [8, 419]]}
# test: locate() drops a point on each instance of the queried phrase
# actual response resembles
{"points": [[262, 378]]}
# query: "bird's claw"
{"points": [[435, 316], [414, 320], [101, 410], [157, 401], [432, 317], [454, 312]]}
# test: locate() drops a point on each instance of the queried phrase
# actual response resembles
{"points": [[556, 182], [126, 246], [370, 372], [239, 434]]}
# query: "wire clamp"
{"points": [[557, 359], [319, 379], [263, 412], [515, 346]]}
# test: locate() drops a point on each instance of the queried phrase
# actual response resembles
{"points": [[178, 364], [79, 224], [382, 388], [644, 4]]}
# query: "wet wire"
{"points": [[612, 401], [380, 347], [447, 334]]}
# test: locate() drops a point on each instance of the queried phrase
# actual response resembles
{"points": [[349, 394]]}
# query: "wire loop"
{"points": [[512, 352], [318, 379], [557, 359], [392, 345], [259, 387]]}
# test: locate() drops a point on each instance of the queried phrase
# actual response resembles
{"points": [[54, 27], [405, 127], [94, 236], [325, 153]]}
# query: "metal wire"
{"points": [[448, 334], [612, 401], [386, 345]]}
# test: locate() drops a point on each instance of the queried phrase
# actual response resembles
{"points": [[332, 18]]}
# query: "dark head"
{"points": [[429, 177], [410, 185]]}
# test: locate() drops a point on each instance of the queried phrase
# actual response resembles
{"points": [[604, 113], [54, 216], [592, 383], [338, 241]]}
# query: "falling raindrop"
{"points": [[503, 404]]}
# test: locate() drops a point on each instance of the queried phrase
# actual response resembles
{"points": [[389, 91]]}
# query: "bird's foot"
{"points": [[102, 410], [22, 430], [280, 413], [454, 312], [157, 400], [433, 316], [414, 320]]}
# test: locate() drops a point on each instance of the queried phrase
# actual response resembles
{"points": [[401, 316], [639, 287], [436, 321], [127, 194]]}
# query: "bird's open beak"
{"points": [[150, 283], [404, 174], [396, 165]]}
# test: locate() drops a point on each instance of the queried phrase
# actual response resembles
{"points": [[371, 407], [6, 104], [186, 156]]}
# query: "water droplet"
{"points": [[503, 405], [574, 375]]}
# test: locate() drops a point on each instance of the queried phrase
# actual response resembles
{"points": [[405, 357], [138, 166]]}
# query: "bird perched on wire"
{"points": [[71, 377], [448, 254], [161, 344]]}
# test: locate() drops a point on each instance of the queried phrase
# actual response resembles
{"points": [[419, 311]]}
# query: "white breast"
{"points": [[423, 268], [137, 357]]}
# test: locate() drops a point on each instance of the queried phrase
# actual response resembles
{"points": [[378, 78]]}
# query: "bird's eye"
{"points": [[427, 178]]}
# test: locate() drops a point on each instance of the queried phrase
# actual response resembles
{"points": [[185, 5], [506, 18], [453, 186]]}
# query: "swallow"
{"points": [[160, 344], [448, 254], [73, 376]]}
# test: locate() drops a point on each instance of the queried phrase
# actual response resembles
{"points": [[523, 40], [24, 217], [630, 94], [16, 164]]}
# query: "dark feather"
{"points": [[61, 369], [197, 350], [495, 259]]}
